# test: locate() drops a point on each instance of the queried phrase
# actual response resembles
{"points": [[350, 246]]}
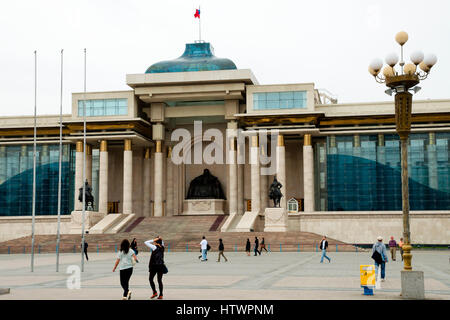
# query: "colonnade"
{"points": [[166, 189], [259, 183]]}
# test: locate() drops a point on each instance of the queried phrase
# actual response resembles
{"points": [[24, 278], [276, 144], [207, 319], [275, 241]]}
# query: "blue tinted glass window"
{"points": [[279, 100], [103, 107], [16, 180], [368, 177]]}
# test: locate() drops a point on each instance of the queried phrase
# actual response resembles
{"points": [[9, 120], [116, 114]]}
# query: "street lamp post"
{"points": [[402, 83]]}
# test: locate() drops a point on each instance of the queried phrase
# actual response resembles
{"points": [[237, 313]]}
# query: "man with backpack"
{"points": [[379, 255]]}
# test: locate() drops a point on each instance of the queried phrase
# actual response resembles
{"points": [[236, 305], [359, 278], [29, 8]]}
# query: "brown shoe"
{"points": [[154, 295], [160, 297]]}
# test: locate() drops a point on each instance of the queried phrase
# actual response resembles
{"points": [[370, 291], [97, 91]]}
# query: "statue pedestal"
{"points": [[91, 218], [276, 220], [203, 206]]}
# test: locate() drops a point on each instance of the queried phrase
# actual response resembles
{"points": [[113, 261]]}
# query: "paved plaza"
{"points": [[274, 275]]}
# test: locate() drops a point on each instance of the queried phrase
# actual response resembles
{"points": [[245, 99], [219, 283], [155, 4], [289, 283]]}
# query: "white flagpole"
{"points": [[84, 165], [199, 25], [60, 168], [34, 164]]}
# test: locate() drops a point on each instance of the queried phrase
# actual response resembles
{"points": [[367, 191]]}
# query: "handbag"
{"points": [[377, 257], [133, 261], [164, 269], [208, 247]]}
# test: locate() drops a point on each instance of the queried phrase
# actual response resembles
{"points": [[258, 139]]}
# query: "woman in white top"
{"points": [[125, 258]]}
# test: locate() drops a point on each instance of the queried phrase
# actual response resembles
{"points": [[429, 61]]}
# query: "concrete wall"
{"points": [[427, 227], [17, 227]]}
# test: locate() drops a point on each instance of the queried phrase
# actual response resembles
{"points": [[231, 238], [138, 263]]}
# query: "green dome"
{"points": [[196, 57]]}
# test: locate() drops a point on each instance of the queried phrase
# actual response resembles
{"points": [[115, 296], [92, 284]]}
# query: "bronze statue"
{"points": [[205, 186], [89, 198], [275, 192]]}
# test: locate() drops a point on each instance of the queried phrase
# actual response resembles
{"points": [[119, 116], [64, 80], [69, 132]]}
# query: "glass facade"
{"points": [[103, 107], [279, 100], [358, 173], [16, 179]]}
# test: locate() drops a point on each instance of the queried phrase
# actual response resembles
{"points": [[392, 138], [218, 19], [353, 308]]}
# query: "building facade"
{"points": [[330, 157]]}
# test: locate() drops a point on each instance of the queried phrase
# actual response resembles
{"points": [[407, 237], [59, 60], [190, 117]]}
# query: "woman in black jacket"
{"points": [[156, 265], [247, 247]]}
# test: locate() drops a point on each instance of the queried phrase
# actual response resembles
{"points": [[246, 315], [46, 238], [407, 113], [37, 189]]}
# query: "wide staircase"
{"points": [[180, 233]]}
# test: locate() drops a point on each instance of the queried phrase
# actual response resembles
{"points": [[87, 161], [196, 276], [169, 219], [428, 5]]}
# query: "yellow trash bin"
{"points": [[367, 274]]}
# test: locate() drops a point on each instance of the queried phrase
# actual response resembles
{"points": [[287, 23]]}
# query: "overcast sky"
{"points": [[329, 43]]}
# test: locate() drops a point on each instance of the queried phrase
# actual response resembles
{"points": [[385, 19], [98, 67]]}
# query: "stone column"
{"points": [[23, 163], [356, 145], [432, 162], [45, 156], [103, 178], [127, 177], [147, 183], [240, 184], [255, 175], [308, 173], [2, 164], [264, 189], [381, 155], [233, 178], [89, 164], [78, 206], [158, 204], [169, 184], [281, 168]]}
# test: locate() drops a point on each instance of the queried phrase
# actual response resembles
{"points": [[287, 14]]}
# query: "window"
{"points": [[279, 100], [368, 178], [103, 107], [293, 205]]}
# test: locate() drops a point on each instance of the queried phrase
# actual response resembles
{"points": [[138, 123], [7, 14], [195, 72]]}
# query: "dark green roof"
{"points": [[196, 57]]}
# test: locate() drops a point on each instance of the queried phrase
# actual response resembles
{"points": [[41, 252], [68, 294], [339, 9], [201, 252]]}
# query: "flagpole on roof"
{"points": [[199, 25]]}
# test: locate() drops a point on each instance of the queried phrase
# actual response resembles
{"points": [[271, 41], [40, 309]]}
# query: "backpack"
{"points": [[377, 257]]}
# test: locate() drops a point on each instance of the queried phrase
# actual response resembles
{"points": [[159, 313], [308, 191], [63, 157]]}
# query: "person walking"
{"points": [[393, 248], [221, 249], [247, 247], [379, 254], [257, 246], [156, 265], [86, 245], [125, 259], [262, 245], [323, 247], [204, 248], [133, 246], [400, 245]]}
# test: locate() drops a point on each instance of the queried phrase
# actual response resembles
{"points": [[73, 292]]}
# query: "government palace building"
{"points": [[339, 165]]}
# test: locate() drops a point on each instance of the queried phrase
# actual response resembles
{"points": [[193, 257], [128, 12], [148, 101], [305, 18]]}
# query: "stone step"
{"points": [[178, 232]]}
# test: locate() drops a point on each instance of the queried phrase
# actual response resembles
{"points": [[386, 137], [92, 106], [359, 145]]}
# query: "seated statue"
{"points": [[205, 186], [89, 198]]}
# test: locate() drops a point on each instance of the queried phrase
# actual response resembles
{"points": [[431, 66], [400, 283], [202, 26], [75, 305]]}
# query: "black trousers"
{"points": [[85, 253], [125, 276], [156, 270], [257, 251]]}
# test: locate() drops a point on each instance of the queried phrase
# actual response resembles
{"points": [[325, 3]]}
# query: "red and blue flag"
{"points": [[197, 13]]}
